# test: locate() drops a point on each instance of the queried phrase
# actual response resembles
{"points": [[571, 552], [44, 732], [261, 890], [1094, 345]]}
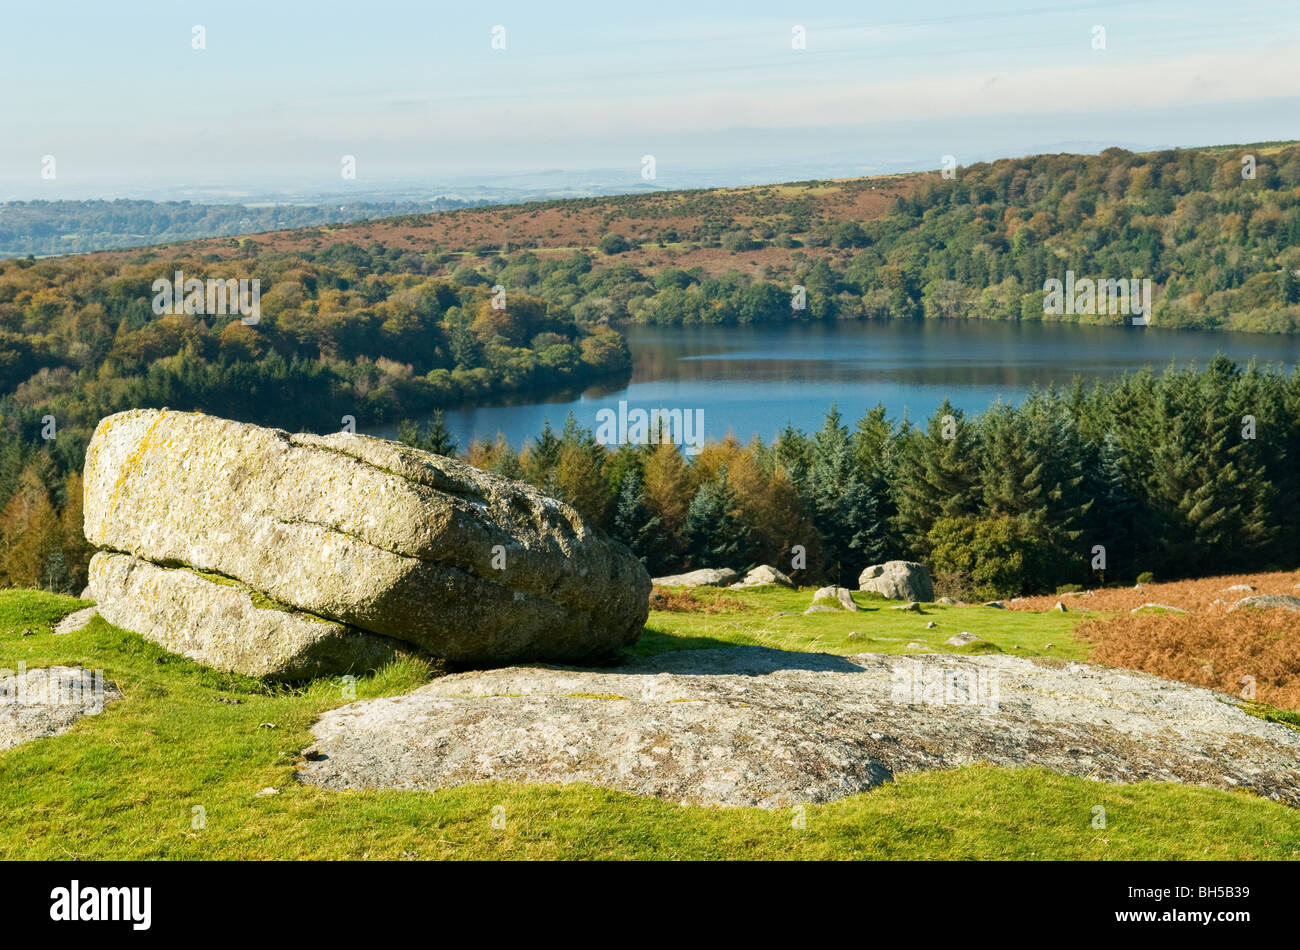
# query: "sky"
{"points": [[118, 94]]}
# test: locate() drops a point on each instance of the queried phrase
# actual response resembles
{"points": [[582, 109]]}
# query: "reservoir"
{"points": [[755, 379]]}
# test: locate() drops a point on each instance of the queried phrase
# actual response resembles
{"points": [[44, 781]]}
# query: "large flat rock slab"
{"points": [[223, 624], [768, 728], [37, 704], [462, 563]]}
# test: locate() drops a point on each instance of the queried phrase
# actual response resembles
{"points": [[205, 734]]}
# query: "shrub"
{"points": [[1002, 556], [614, 244]]}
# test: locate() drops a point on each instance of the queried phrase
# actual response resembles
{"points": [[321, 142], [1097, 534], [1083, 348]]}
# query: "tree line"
{"points": [[1184, 473]]}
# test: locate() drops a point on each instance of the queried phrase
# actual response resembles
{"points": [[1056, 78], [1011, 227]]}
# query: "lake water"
{"points": [[756, 379]]}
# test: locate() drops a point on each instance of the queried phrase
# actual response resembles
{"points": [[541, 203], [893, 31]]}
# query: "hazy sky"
{"points": [[415, 90]]}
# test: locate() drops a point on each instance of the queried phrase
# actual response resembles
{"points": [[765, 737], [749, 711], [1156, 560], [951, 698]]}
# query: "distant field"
{"points": [[580, 223]]}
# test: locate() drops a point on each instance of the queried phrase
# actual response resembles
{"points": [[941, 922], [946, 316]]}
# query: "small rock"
{"points": [[950, 602], [832, 598], [704, 577], [913, 607], [268, 791], [930, 625], [1265, 601], [75, 620], [762, 576], [918, 646], [1238, 587], [854, 635], [1154, 606], [963, 639], [36, 704], [267, 725], [996, 603], [1048, 646], [1060, 607]]}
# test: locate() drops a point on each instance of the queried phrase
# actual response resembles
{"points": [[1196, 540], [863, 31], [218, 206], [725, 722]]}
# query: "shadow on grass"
{"points": [[659, 652], [654, 640]]}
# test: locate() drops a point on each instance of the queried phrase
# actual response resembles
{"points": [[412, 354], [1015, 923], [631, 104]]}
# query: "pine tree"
{"points": [[636, 526], [667, 485], [580, 481], [1115, 520], [715, 535], [438, 438], [433, 437], [1031, 467], [541, 458], [1209, 493], [793, 452], [505, 460], [937, 476], [844, 509]]}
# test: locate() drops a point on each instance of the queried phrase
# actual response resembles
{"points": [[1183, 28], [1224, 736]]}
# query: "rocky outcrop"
{"points": [[763, 576], [704, 577], [369, 534], [753, 726], [898, 580], [36, 704]]}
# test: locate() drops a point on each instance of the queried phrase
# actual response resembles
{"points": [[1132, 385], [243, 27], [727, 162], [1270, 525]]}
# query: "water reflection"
{"points": [[756, 379]]}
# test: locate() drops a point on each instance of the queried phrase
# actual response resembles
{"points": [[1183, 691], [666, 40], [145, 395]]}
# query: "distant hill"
{"points": [[1221, 249], [45, 228]]}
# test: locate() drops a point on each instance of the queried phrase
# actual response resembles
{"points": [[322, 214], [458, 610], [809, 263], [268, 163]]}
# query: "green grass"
{"points": [[126, 783], [880, 628]]}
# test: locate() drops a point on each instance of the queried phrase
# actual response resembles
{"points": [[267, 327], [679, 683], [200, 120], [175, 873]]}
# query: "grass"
{"points": [[187, 742], [773, 617]]}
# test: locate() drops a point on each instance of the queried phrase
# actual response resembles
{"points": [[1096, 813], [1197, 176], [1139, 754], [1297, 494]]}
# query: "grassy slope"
{"points": [[125, 784]]}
